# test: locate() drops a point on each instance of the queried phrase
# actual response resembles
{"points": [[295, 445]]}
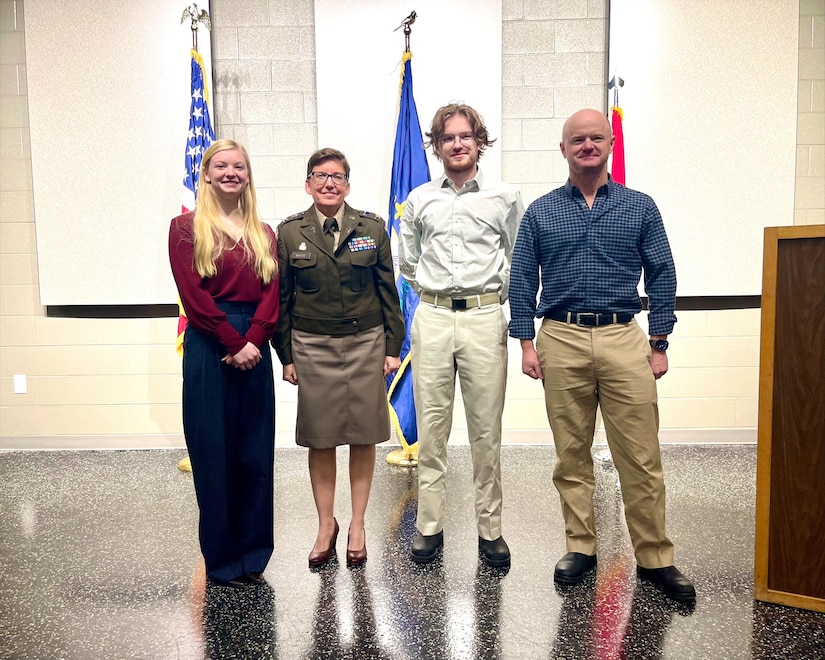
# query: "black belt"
{"points": [[590, 319]]}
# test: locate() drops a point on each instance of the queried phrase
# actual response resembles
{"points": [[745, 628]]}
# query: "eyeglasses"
{"points": [[464, 138], [320, 178]]}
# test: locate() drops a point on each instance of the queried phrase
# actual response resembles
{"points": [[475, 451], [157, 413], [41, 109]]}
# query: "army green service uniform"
{"points": [[340, 316]]}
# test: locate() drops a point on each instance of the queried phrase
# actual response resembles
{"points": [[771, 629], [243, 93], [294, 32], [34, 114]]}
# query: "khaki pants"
{"points": [[606, 366], [472, 343]]}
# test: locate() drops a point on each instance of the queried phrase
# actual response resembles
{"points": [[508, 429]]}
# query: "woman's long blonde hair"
{"points": [[211, 239]]}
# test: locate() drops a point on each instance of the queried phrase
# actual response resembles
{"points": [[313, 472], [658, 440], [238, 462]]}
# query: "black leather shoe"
{"points": [[425, 548], [494, 553], [239, 581], [255, 578], [571, 568], [670, 580]]}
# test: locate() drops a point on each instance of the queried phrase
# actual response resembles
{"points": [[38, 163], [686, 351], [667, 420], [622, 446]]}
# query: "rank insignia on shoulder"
{"points": [[371, 216], [361, 243], [296, 216]]}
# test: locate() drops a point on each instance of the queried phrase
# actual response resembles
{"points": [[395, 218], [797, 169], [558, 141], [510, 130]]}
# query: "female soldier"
{"points": [[338, 337]]}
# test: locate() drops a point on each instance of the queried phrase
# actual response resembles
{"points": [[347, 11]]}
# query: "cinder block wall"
{"points": [[809, 201], [121, 377]]}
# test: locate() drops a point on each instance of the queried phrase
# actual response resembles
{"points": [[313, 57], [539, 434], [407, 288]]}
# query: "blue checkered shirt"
{"points": [[591, 260]]}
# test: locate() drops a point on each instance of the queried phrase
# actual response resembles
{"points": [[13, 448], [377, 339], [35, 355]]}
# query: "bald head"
{"points": [[589, 118], [587, 141]]}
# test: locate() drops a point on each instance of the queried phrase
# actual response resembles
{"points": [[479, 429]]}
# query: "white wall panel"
{"points": [[456, 49], [109, 96], [710, 127]]}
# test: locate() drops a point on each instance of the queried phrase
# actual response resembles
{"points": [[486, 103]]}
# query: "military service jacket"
{"points": [[337, 293]]}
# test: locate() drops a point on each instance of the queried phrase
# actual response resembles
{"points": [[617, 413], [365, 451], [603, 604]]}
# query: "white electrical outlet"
{"points": [[20, 386]]}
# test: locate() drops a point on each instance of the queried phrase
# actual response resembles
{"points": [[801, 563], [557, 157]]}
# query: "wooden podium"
{"points": [[789, 559]]}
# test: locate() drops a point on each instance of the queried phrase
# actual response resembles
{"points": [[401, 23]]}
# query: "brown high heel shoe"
{"points": [[356, 557], [317, 559]]}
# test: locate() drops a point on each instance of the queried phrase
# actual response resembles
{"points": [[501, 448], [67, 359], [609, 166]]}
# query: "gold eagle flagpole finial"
{"points": [[196, 17]]}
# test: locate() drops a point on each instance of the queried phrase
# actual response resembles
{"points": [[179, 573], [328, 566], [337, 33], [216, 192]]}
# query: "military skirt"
{"points": [[342, 396]]}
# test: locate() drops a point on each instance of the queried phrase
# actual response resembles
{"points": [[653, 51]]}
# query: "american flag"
{"points": [[198, 140], [200, 134]]}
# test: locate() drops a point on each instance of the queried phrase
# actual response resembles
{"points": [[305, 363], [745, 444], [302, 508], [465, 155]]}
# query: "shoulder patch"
{"points": [[295, 216], [371, 216]]}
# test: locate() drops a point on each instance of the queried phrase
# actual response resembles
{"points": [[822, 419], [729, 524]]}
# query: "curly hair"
{"points": [[436, 131]]}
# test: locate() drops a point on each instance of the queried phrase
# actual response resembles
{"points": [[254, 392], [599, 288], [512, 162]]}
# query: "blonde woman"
{"points": [[224, 260]]}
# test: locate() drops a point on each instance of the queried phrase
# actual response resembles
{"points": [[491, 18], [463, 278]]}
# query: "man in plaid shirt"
{"points": [[588, 243]]}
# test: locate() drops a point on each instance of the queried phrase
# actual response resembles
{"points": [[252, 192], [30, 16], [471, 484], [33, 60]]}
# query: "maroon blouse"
{"points": [[234, 281]]}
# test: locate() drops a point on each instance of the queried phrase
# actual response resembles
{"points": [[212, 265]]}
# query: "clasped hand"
{"points": [[244, 359]]}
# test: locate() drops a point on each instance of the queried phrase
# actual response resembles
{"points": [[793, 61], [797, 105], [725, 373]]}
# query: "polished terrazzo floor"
{"points": [[99, 560]]}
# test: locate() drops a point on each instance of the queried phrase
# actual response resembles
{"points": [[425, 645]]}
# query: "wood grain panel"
{"points": [[790, 516], [797, 531]]}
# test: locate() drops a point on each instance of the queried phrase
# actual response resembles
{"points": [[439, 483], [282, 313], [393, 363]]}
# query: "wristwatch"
{"points": [[659, 344]]}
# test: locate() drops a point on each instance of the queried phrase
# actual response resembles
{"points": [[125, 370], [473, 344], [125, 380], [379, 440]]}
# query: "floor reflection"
{"points": [[326, 625], [488, 612], [98, 549], [417, 598], [235, 622]]}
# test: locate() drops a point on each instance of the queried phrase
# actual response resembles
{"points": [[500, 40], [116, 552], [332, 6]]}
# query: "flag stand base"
{"points": [[404, 458], [185, 465]]}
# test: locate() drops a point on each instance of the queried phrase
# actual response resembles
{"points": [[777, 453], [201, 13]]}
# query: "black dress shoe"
{"points": [[571, 568], [239, 581], [670, 580], [425, 548], [494, 553], [255, 578]]}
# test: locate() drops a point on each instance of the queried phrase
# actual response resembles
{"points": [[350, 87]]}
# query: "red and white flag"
{"points": [[617, 163]]}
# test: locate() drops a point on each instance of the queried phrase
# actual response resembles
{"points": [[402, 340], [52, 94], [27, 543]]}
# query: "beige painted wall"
{"points": [[105, 377]]}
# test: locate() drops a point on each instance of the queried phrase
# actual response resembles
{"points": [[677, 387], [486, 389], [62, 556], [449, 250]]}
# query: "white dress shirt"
{"points": [[458, 243]]}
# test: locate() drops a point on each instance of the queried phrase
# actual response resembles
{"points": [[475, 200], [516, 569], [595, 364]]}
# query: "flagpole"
{"points": [[601, 452], [205, 134], [409, 170]]}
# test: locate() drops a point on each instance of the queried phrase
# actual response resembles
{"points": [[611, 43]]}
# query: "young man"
{"points": [[457, 237], [589, 241]]}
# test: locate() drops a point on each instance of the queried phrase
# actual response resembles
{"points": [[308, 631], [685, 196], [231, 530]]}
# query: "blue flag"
{"points": [[409, 170]]}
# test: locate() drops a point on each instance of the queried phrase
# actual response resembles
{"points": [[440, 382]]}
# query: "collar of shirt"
{"points": [[473, 184], [605, 189], [339, 216]]}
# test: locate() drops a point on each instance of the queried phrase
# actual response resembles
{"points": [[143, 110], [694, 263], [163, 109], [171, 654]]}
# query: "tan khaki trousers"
{"points": [[472, 343], [608, 367]]}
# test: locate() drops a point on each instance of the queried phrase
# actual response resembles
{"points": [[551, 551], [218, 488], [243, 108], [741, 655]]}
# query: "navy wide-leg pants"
{"points": [[229, 426]]}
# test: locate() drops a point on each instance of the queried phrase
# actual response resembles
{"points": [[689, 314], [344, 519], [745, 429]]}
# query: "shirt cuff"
{"points": [[256, 335], [522, 328]]}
